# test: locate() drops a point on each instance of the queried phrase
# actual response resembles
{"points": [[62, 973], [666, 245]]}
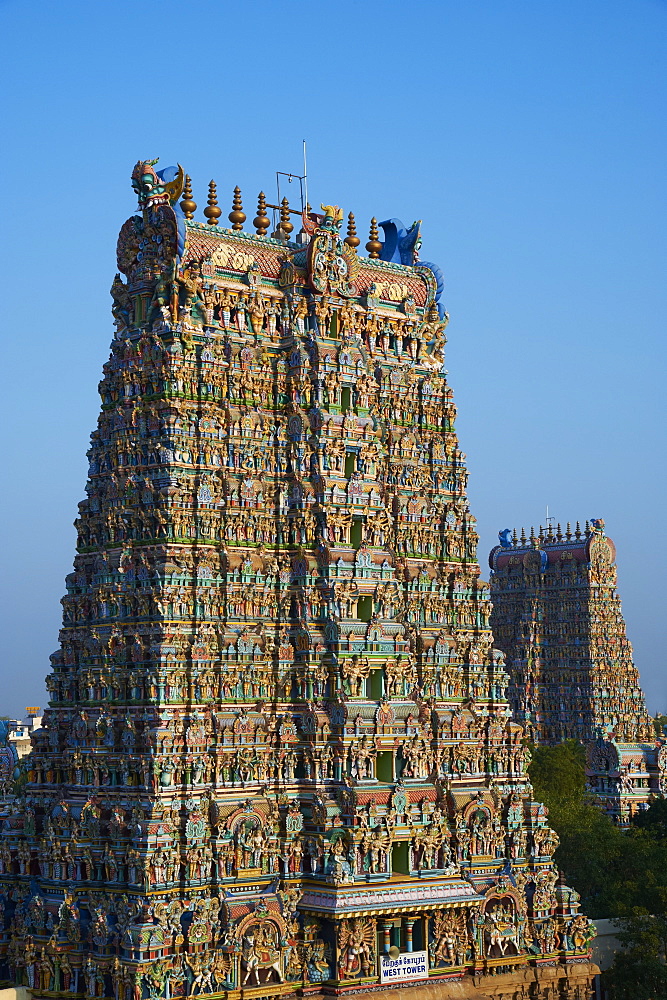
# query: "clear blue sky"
{"points": [[529, 135]]}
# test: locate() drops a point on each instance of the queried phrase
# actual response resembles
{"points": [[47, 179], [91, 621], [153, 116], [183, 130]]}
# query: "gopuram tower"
{"points": [[277, 758], [557, 618]]}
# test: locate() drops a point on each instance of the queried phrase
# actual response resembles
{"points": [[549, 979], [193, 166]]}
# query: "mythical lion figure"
{"points": [[402, 246]]}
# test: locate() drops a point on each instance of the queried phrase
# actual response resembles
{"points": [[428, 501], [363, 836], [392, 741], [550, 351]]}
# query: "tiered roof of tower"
{"points": [[557, 617], [277, 755]]}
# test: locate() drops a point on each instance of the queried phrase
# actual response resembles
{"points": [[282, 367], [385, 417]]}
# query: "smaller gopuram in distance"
{"points": [[557, 618]]}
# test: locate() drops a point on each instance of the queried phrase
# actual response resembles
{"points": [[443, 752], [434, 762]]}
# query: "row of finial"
{"points": [[261, 222], [551, 535]]}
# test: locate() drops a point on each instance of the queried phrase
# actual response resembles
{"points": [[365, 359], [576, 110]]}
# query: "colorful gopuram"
{"points": [[557, 618], [278, 758]]}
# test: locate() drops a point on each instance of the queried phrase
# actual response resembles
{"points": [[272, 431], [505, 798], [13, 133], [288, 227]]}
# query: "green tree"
{"points": [[591, 845], [653, 820], [639, 971], [558, 774], [619, 874]]}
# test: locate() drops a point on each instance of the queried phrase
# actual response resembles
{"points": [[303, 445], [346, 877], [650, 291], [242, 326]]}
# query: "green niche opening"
{"points": [[384, 767], [399, 857], [350, 464], [365, 610], [345, 398], [376, 684]]}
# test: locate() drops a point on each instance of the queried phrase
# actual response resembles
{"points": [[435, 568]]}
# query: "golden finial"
{"points": [[577, 531], [212, 212], [237, 215], [352, 239], [541, 532], [285, 223], [188, 205], [568, 531], [523, 537], [261, 222], [587, 528], [374, 246], [515, 540]]}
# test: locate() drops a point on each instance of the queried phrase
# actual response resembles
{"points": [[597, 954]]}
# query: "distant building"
{"points": [[606, 943], [15, 742], [19, 733], [557, 617]]}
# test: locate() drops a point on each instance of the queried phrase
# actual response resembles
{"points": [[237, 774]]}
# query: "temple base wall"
{"points": [[571, 982]]}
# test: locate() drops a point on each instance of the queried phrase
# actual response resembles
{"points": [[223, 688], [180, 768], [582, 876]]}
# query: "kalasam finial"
{"points": [[237, 215], [212, 211]]}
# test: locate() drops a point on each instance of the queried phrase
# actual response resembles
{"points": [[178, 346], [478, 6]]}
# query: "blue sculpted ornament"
{"points": [[504, 538], [402, 246]]}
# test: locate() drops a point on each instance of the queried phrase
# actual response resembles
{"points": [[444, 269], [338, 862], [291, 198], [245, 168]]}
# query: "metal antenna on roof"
{"points": [[305, 174], [303, 188]]}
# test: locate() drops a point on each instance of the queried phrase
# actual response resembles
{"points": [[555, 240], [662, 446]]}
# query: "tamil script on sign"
{"points": [[409, 965]]}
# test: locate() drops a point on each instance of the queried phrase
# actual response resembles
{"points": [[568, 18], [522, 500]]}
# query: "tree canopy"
{"points": [[620, 874]]}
